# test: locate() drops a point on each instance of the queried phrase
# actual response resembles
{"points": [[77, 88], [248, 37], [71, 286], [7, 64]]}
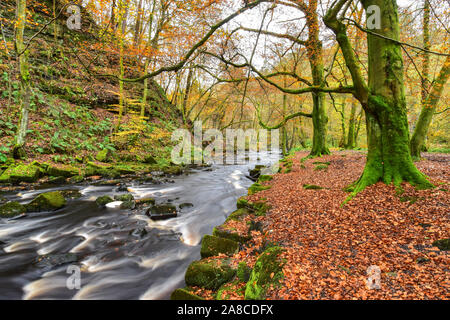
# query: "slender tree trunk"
{"points": [[351, 129], [24, 80], [430, 98], [186, 94]]}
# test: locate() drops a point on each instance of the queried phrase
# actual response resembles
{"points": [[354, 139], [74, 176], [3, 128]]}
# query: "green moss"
{"points": [[11, 209], [238, 214], [443, 244], [264, 178], [76, 179], [213, 246], [267, 271], [49, 201], [209, 274], [312, 187], [242, 202], [124, 197], [321, 167], [62, 171], [104, 155], [327, 163], [21, 173], [256, 187], [173, 170], [183, 294], [228, 234], [223, 292], [243, 272], [103, 201]]}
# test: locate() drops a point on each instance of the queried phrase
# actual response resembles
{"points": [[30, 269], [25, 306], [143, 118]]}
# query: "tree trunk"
{"points": [[428, 110], [315, 55], [24, 81], [388, 158], [351, 129]]}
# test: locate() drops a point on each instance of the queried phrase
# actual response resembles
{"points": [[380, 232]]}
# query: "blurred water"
{"points": [[117, 260]]}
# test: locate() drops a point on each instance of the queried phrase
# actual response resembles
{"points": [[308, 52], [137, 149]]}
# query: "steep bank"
{"points": [[73, 112], [308, 246]]}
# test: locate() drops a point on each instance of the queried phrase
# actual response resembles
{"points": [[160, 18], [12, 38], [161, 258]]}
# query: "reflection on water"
{"points": [[118, 260]]}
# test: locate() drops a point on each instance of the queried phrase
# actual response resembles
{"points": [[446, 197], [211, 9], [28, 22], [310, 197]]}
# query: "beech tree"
{"points": [[382, 97]]}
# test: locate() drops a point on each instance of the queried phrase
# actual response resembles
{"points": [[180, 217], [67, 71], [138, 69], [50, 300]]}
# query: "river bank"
{"points": [[304, 244]]}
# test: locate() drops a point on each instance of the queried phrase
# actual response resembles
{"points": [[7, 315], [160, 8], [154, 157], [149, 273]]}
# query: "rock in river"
{"points": [[162, 212]]}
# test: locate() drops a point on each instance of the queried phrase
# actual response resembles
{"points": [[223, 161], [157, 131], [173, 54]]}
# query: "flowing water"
{"points": [[122, 254]]}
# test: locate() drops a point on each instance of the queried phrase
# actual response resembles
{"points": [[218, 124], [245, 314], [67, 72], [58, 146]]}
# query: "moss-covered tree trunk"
{"points": [[351, 137], [383, 98], [388, 158], [24, 81], [428, 110], [315, 55]]}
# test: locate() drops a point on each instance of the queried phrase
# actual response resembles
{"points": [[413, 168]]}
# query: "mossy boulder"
{"points": [[266, 272], [264, 178], [49, 201], [94, 169], [104, 156], [173, 170], [221, 232], [11, 209], [62, 171], [443, 244], [243, 272], [143, 201], [103, 201], [213, 246], [242, 202], [124, 197], [238, 214], [149, 159], [21, 173], [76, 179], [209, 273], [256, 187], [233, 288], [183, 294], [162, 212]]}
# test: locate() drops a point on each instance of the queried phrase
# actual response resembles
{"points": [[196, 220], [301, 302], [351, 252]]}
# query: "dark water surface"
{"points": [[122, 253]]}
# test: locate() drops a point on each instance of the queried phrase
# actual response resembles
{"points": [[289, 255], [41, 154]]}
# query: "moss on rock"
{"points": [[209, 274], [184, 294], [11, 209], [256, 187], [103, 201], [213, 246], [21, 173], [104, 155], [232, 287], [49, 201], [228, 234], [62, 171], [243, 272], [443, 244], [266, 272]]}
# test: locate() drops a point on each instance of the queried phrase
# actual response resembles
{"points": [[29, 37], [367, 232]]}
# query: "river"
{"points": [[122, 254]]}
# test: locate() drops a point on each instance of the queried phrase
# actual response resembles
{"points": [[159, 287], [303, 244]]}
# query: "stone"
{"points": [[103, 201], [266, 272], [11, 209], [48, 201], [213, 246], [221, 232], [162, 212], [209, 274], [443, 244], [21, 173], [62, 171], [183, 294]]}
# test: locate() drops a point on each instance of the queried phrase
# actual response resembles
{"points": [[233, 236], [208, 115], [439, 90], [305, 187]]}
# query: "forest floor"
{"points": [[329, 247]]}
